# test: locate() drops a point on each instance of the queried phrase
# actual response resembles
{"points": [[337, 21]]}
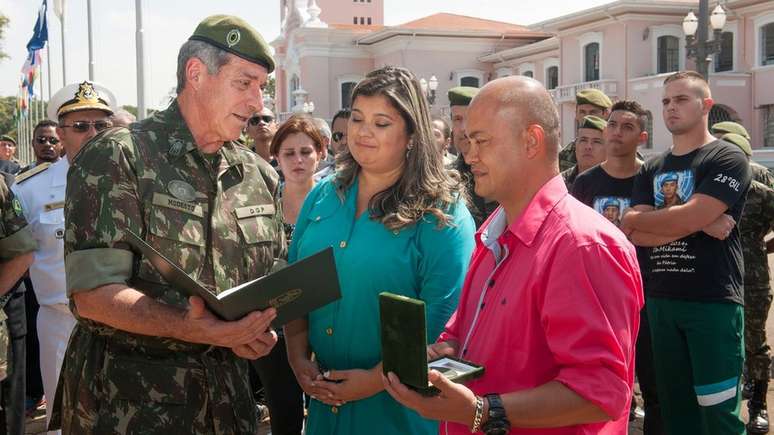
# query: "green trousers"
{"points": [[698, 353]]}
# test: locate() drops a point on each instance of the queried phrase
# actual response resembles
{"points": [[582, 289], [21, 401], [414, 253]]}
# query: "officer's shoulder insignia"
{"points": [[32, 172]]}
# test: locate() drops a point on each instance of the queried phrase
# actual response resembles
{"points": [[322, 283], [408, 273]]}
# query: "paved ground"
{"points": [[36, 424]]}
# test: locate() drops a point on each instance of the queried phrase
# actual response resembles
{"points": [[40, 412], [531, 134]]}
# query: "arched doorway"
{"points": [[721, 113]]}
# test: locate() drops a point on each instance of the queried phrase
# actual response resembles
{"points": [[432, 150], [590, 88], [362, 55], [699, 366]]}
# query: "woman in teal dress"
{"points": [[397, 222]]}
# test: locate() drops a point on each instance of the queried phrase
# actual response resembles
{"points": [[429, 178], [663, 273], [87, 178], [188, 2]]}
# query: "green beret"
{"points": [[235, 36], [6, 138], [730, 127], [593, 122], [462, 95], [740, 141], [594, 97]]}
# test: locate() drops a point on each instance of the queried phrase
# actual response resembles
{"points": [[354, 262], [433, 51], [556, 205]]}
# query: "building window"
{"points": [[591, 58], [369, 21], [721, 113], [552, 77], [767, 44], [362, 20], [529, 74], [649, 129], [354, 20], [346, 94], [768, 125], [668, 54], [470, 81], [724, 61]]}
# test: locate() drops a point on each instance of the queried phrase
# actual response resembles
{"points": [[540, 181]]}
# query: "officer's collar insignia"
{"points": [[233, 37], [181, 190]]}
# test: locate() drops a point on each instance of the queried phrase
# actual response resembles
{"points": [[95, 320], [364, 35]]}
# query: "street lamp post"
{"points": [[308, 107], [698, 46], [429, 88]]}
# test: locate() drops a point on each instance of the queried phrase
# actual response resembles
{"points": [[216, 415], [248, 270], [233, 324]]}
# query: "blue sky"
{"points": [[168, 23]]}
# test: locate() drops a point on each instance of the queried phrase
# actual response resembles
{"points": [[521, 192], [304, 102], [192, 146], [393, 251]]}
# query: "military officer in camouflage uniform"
{"points": [[587, 102], [459, 100], [760, 173], [143, 358], [590, 148], [756, 222], [16, 247]]}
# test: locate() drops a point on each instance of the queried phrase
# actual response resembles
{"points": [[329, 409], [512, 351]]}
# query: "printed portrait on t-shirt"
{"points": [[672, 188], [611, 207]]}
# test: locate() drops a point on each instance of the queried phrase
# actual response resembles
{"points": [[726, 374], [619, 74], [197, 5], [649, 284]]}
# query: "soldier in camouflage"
{"points": [[590, 148], [756, 222], [587, 102], [16, 247], [728, 130], [143, 358]]}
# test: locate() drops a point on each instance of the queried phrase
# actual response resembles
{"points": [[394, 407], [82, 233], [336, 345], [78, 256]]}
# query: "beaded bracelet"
{"points": [[478, 416]]}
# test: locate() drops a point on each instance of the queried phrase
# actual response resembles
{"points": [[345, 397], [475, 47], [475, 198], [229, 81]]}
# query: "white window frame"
{"points": [[527, 66], [758, 23], [733, 28], [461, 73], [548, 63], [504, 72], [291, 74], [583, 41], [346, 78], [668, 30]]}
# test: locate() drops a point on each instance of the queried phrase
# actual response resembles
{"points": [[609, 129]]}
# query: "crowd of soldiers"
{"points": [[118, 345]]}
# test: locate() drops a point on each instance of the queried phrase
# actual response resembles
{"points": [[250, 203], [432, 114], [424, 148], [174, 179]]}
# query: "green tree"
{"points": [[130, 109], [7, 119], [271, 87], [3, 25]]}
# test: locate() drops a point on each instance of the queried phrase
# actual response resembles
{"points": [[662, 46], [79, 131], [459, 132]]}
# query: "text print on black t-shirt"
{"points": [[697, 266]]}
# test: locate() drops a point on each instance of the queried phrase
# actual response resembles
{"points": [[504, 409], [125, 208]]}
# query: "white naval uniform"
{"points": [[42, 196]]}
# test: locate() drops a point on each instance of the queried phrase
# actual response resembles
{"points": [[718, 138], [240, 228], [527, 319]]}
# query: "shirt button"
{"points": [[343, 244], [334, 410], [329, 331]]}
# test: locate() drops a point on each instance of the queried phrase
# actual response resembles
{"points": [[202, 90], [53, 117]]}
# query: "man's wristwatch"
{"points": [[496, 421]]}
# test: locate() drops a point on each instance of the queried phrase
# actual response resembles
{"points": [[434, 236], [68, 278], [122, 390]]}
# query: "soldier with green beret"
{"points": [[587, 102], [736, 134], [16, 247], [721, 128], [144, 357], [459, 100], [589, 148]]}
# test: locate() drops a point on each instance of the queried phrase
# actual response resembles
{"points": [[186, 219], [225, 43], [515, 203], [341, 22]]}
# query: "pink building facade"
{"points": [[626, 48]]}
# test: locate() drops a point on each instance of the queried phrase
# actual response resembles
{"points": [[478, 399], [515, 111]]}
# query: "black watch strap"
{"points": [[496, 422]]}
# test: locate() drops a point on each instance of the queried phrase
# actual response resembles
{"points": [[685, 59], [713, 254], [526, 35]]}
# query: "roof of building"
{"points": [[446, 21]]}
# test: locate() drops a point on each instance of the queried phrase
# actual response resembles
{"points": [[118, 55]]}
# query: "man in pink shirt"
{"points": [[550, 305]]}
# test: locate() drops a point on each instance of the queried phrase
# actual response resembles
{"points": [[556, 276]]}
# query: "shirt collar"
{"points": [[527, 226]]}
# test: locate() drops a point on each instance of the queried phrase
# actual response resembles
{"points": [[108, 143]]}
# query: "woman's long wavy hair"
{"points": [[425, 185]]}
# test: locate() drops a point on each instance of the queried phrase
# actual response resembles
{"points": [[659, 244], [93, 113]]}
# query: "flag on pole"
{"points": [[31, 68]]}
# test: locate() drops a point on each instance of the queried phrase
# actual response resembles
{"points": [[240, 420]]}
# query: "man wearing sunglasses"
{"points": [[181, 181], [261, 128], [82, 109]]}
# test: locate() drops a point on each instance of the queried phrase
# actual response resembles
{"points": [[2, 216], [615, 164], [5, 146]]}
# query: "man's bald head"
{"points": [[527, 102]]}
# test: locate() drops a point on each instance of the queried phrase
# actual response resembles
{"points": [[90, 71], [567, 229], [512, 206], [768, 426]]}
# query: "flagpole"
{"points": [[90, 18], [140, 46], [48, 65], [64, 62]]}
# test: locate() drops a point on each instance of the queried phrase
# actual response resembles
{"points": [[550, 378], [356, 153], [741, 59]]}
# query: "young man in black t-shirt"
{"points": [[607, 188], [686, 203]]}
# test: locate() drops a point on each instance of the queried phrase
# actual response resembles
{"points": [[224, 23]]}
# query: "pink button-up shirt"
{"points": [[554, 296]]}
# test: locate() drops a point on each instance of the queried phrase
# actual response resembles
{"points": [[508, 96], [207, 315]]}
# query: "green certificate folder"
{"points": [[294, 291], [404, 346]]}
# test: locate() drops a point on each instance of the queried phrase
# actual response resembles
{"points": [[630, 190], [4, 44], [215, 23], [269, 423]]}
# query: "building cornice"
{"points": [[544, 46], [392, 32]]}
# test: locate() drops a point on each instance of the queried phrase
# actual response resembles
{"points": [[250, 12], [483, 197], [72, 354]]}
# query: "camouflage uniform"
{"points": [[479, 207], [757, 220], [569, 175], [15, 239], [567, 157], [762, 174], [218, 218]]}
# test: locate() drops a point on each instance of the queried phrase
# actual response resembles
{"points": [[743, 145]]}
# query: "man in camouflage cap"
{"points": [[590, 148], [587, 102], [459, 100], [143, 357], [735, 133], [16, 247], [756, 222]]}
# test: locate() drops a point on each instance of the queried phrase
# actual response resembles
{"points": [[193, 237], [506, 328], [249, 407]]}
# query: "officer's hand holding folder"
{"points": [[293, 291]]}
